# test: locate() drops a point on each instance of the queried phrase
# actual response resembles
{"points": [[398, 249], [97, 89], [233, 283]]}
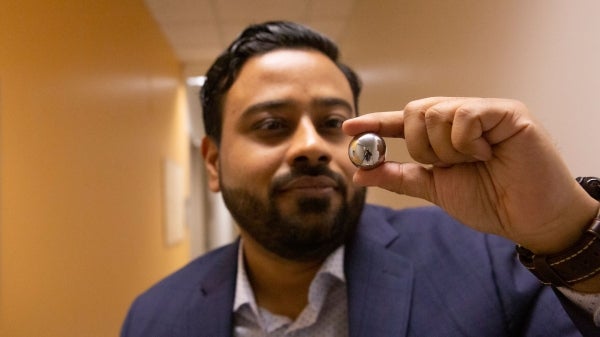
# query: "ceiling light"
{"points": [[196, 81]]}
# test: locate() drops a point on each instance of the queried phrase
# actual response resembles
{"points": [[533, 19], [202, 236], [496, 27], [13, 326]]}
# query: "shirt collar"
{"points": [[333, 265]]}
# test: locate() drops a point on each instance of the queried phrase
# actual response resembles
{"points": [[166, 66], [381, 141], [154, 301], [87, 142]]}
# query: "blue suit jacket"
{"points": [[413, 272]]}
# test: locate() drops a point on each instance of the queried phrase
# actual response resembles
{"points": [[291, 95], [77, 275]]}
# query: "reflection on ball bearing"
{"points": [[367, 150]]}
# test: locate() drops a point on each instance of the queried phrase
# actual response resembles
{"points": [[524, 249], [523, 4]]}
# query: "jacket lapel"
{"points": [[379, 286], [211, 315], [379, 281]]}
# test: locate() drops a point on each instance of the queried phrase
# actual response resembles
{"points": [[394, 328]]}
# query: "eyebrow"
{"points": [[283, 103], [333, 101], [266, 105]]}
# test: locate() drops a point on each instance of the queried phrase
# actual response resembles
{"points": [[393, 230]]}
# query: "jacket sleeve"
{"points": [[583, 320]]}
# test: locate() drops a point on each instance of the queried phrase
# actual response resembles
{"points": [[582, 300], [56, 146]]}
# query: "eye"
{"points": [[334, 122], [270, 124]]}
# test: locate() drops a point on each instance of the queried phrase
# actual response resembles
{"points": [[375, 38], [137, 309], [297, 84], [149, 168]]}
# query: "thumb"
{"points": [[404, 178]]}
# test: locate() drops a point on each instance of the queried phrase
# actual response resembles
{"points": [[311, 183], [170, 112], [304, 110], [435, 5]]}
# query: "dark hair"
{"points": [[256, 40]]}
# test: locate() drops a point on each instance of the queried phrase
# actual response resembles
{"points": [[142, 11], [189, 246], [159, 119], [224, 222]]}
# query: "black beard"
{"points": [[311, 233]]}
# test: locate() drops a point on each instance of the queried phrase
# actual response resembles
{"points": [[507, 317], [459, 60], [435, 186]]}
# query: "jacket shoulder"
{"points": [[166, 307]]}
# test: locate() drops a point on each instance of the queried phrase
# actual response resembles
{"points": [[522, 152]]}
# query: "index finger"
{"points": [[385, 124]]}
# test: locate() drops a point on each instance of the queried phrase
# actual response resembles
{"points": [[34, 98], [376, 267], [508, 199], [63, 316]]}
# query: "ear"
{"points": [[210, 152]]}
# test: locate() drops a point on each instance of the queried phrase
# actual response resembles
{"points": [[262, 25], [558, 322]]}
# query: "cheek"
{"points": [[342, 159], [248, 165], [348, 170]]}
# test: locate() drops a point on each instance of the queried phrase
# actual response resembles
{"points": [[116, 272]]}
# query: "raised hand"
{"points": [[488, 163]]}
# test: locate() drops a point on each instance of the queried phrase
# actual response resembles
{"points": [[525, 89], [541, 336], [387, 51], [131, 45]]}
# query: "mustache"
{"points": [[311, 171]]}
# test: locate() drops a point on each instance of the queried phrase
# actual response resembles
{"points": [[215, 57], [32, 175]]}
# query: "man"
{"points": [[314, 260]]}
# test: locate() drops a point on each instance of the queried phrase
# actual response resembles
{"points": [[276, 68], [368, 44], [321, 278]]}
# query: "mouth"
{"points": [[311, 185]]}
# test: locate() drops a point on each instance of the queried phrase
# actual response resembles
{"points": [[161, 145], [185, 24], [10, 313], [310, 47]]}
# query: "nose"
{"points": [[307, 146]]}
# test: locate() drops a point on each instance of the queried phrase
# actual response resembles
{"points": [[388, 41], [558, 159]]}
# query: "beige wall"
{"points": [[545, 53], [90, 104]]}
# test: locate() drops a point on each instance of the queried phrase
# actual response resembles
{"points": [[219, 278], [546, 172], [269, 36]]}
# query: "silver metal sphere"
{"points": [[367, 150]]}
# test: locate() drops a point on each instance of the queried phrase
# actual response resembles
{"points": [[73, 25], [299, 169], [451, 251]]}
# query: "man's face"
{"points": [[282, 164]]}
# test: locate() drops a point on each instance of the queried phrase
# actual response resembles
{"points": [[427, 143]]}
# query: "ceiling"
{"points": [[199, 30]]}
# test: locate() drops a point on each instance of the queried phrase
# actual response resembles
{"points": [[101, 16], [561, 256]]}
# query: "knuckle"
{"points": [[433, 115]]}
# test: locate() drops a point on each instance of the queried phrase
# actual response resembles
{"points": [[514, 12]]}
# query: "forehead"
{"points": [[291, 74]]}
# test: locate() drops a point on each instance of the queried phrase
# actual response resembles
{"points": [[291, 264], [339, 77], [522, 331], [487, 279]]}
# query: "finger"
{"points": [[468, 132], [481, 123], [439, 124], [403, 178], [385, 124], [499, 118], [416, 136]]}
